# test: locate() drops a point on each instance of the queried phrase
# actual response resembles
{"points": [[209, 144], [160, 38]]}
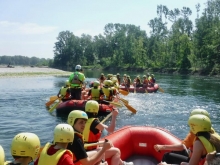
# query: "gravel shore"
{"points": [[19, 71]]}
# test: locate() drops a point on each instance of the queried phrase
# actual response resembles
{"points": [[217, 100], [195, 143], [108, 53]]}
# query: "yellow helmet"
{"points": [[114, 79], [125, 75], [96, 83], [110, 82], [199, 123], [25, 144], [118, 74], [144, 76], [2, 156], [63, 133], [199, 111], [102, 74], [76, 114], [92, 106], [106, 83], [67, 83]]}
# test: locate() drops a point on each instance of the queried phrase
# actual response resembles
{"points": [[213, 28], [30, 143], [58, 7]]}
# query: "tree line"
{"points": [[23, 60], [182, 46]]}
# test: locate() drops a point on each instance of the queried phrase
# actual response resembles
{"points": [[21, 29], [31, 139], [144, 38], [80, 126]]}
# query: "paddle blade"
{"points": [[130, 108], [123, 92], [161, 90], [53, 98], [54, 107], [49, 103], [123, 100], [116, 104]]}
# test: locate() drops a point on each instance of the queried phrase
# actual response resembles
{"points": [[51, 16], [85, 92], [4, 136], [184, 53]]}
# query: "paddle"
{"points": [[49, 103], [130, 108], [123, 100], [94, 144], [53, 97], [106, 118], [123, 92], [54, 107], [113, 103], [161, 90]]}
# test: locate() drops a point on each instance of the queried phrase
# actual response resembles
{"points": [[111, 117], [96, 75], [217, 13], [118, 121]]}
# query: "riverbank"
{"points": [[21, 71]]}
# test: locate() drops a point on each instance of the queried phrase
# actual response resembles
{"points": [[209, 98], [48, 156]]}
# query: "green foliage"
{"points": [[23, 60], [124, 45]]}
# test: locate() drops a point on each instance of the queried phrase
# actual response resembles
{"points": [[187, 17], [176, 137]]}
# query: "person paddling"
{"points": [[93, 130], [77, 119]]}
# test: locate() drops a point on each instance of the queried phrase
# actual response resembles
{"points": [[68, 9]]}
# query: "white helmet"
{"points": [[78, 67]]}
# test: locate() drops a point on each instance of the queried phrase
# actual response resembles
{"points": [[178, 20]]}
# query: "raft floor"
{"points": [[142, 160]]}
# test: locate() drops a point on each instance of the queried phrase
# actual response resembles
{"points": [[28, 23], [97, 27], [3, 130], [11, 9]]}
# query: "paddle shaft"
{"points": [[94, 144], [106, 118]]}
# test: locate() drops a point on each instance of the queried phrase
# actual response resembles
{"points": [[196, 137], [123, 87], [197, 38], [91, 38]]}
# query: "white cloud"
{"points": [[24, 28]]}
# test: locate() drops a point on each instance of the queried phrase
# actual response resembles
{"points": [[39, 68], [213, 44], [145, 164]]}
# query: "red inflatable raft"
{"points": [[142, 89], [67, 106], [136, 143]]}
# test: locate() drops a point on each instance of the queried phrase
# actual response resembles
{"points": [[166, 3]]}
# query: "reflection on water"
{"points": [[22, 104]]}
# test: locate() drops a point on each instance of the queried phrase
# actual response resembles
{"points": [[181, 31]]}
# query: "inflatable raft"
{"points": [[136, 143], [142, 89], [64, 108]]}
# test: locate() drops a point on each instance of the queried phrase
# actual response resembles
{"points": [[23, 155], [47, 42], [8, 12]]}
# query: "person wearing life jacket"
{"points": [[76, 80], [205, 142], [151, 80], [2, 156], [119, 79], [124, 79], [93, 130], [56, 153], [102, 78], [115, 83], [128, 82], [25, 148], [179, 153], [77, 119], [64, 92], [107, 90], [145, 81], [95, 93]]}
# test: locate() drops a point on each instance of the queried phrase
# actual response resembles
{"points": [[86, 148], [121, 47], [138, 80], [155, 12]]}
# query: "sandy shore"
{"points": [[19, 71]]}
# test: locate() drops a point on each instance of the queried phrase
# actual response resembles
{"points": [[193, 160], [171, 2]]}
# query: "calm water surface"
{"points": [[22, 105]]}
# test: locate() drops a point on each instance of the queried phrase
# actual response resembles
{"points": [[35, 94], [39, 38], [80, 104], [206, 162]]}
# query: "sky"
{"points": [[30, 27]]}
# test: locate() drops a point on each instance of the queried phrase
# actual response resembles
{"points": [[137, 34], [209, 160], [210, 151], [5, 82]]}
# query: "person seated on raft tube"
{"points": [[107, 90], [119, 79], [137, 82], [124, 80], [205, 142], [102, 78], [77, 119], [128, 82], [151, 80], [96, 93], [93, 130], [64, 92], [56, 153], [2, 156], [145, 81], [174, 157], [76, 80], [115, 82], [25, 148]]}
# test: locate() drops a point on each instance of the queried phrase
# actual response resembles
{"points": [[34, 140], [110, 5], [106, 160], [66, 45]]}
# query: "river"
{"points": [[22, 105]]}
